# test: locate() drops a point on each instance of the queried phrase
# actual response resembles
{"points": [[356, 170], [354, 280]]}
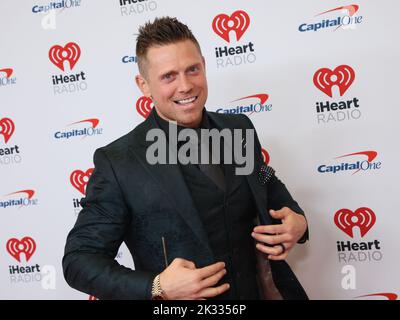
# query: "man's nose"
{"points": [[185, 85]]}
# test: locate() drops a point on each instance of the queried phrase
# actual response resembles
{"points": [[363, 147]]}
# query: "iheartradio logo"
{"points": [[265, 156], [363, 218], [26, 245], [79, 179], [7, 71], [144, 106], [343, 76], [7, 128], [70, 52], [238, 22]]}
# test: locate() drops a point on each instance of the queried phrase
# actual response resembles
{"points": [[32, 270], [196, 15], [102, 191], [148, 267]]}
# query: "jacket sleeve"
{"points": [[278, 195], [89, 263]]}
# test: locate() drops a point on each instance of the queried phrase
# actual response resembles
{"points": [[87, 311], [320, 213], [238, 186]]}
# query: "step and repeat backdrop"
{"points": [[319, 80]]}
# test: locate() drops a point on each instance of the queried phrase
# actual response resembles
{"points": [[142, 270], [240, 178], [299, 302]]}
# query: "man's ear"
{"points": [[143, 85]]}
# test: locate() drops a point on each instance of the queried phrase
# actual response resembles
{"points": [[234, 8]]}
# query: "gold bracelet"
{"points": [[157, 293]]}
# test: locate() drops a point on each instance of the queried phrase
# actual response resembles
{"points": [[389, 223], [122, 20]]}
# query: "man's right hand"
{"points": [[182, 280]]}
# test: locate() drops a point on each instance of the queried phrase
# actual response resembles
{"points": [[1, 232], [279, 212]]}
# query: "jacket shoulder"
{"points": [[122, 144], [231, 120]]}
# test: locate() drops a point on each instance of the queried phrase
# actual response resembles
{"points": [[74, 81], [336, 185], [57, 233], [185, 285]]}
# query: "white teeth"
{"points": [[185, 101]]}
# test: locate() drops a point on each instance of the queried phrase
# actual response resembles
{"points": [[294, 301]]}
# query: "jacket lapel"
{"points": [[260, 196], [257, 189], [170, 179]]}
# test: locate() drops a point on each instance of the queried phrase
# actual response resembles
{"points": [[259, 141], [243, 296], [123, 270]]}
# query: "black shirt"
{"points": [[228, 218]]}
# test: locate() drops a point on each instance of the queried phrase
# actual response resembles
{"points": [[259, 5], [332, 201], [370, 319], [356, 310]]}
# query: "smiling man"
{"points": [[195, 231], [173, 75]]}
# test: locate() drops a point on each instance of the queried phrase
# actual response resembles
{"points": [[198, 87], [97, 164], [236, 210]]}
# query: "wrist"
{"points": [[157, 293], [304, 232]]}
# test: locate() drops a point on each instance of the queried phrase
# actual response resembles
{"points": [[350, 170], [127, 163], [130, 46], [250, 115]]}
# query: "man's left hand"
{"points": [[293, 227]]}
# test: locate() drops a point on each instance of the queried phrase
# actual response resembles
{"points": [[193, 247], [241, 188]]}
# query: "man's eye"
{"points": [[194, 69]]}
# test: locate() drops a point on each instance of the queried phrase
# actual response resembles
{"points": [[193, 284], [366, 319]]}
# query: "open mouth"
{"points": [[186, 101]]}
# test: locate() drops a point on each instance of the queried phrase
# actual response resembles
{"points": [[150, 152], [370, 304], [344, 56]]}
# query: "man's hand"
{"points": [[182, 280], [293, 227]]}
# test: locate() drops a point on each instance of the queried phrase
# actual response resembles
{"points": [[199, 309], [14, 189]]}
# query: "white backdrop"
{"points": [[288, 56]]}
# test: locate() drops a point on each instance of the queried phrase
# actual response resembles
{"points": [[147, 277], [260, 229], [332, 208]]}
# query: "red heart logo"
{"points": [[363, 218], [265, 155], [343, 76], [144, 106], [7, 128], [71, 53], [7, 71], [15, 247], [239, 21], [79, 179]]}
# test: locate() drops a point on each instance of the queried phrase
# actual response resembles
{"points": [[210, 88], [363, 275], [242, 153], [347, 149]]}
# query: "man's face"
{"points": [[174, 77]]}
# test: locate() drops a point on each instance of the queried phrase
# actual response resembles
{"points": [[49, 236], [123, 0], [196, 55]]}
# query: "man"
{"points": [[191, 232]]}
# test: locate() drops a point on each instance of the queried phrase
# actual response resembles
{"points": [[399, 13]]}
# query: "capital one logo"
{"points": [[257, 107], [346, 18], [342, 76], [238, 22], [352, 9], [363, 218], [364, 164], [262, 97], [144, 106], [91, 129], [94, 122], [79, 179], [7, 128], [384, 295], [28, 192], [26, 245], [70, 52], [24, 199], [249, 108]]}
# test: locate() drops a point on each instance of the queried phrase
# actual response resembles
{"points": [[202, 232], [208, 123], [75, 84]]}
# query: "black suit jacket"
{"points": [[128, 200]]}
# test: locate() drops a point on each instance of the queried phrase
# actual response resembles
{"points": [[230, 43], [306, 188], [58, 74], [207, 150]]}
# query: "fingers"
{"points": [[212, 292], [271, 229], [269, 239], [211, 269], [213, 280], [275, 252], [210, 277], [280, 214], [182, 280], [184, 263]]}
